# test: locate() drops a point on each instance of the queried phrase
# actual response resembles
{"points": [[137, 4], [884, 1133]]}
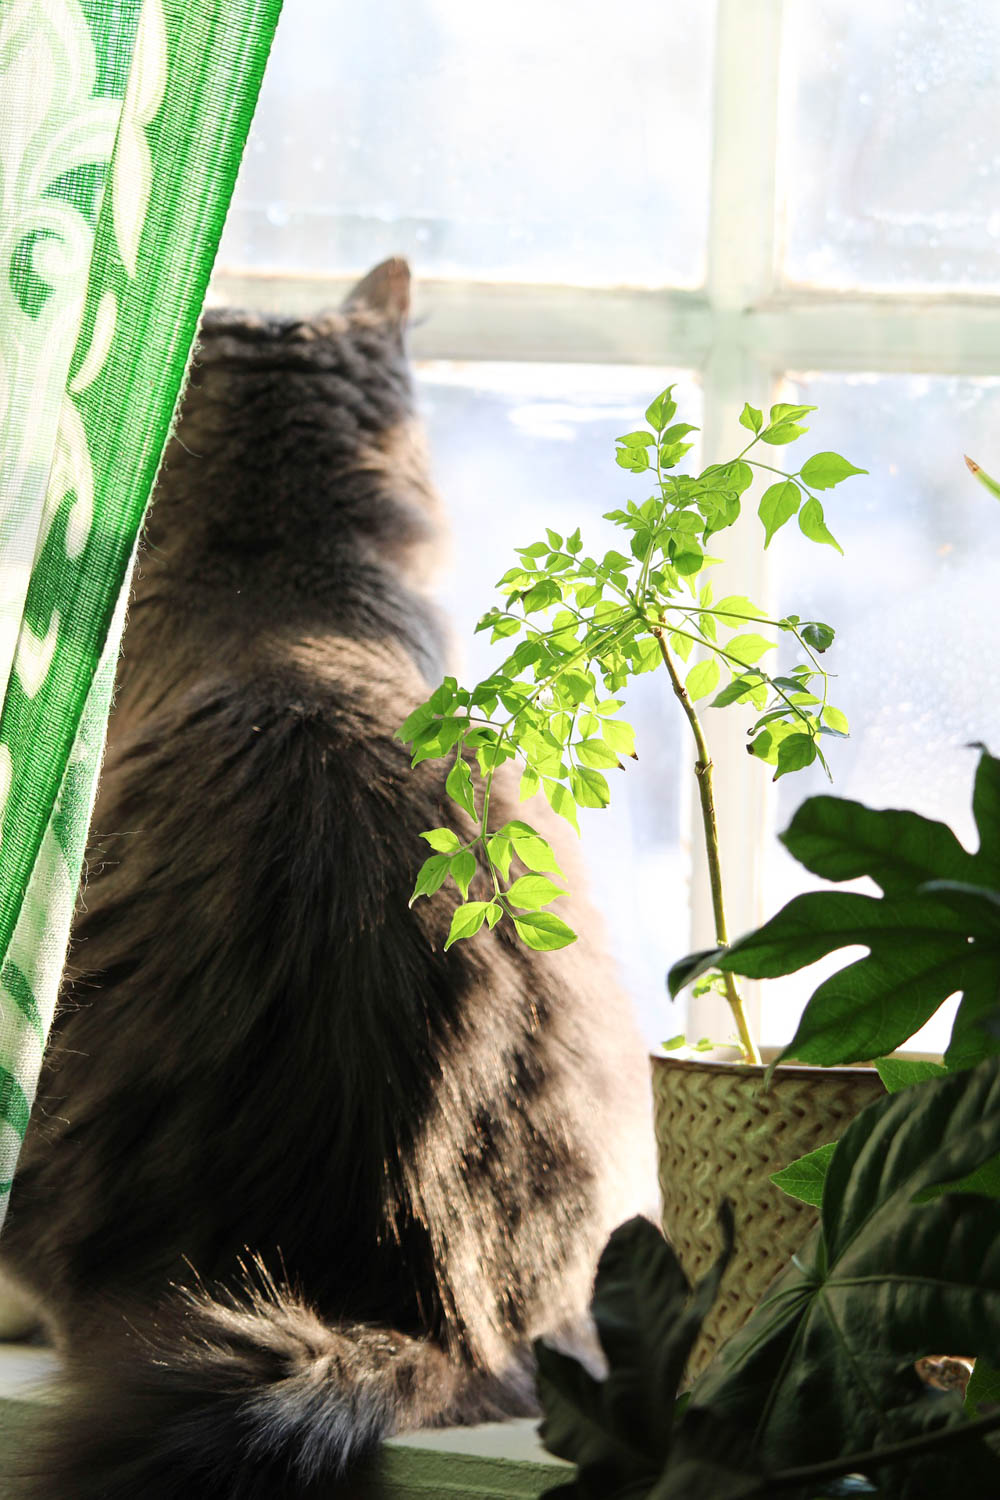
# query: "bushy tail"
{"points": [[243, 1398]]}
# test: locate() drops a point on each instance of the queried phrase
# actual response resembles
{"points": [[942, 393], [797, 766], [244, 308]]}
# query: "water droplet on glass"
{"points": [[277, 214]]}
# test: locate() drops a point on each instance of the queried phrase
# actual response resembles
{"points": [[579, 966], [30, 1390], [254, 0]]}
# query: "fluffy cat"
{"points": [[296, 1178]]}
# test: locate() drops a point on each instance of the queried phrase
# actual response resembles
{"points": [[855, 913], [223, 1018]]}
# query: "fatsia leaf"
{"points": [[884, 1280], [618, 1431], [927, 938]]}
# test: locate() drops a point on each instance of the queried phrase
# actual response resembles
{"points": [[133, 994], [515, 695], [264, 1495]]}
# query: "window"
{"points": [[753, 200]]}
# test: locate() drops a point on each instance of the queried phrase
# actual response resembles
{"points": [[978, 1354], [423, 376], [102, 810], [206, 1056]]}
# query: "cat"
{"points": [[296, 1178]]}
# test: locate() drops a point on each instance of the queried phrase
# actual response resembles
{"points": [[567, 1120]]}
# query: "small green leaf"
{"points": [[533, 891], [817, 635], [561, 801], [673, 1043], [419, 719], [493, 913], [740, 690], [736, 609], [748, 648], [834, 717], [546, 592], [751, 418], [777, 505], [782, 432], [661, 410], [463, 868], [443, 840], [804, 1178], [902, 1072], [431, 876], [619, 735], [596, 753], [824, 470], [795, 752], [467, 921], [589, 788], [500, 851], [812, 525], [533, 851], [529, 784], [702, 679], [983, 1389], [459, 787], [543, 931], [574, 543], [639, 439]]}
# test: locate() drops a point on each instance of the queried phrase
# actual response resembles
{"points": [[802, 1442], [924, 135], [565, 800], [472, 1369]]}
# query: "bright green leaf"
{"points": [[795, 752], [431, 876], [777, 505], [702, 679], [463, 868], [590, 789], [533, 891], [812, 525], [824, 470], [466, 921], [459, 787], [596, 753], [543, 931], [561, 801], [751, 418], [748, 648]]}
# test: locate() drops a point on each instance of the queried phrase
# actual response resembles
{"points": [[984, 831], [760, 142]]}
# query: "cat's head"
{"points": [[301, 432]]}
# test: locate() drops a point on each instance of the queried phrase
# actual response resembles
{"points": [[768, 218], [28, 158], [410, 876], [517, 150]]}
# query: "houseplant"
{"points": [[587, 626], [821, 1381]]}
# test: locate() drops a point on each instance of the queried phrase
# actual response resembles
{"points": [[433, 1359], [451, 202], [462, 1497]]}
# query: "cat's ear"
{"points": [[385, 291]]}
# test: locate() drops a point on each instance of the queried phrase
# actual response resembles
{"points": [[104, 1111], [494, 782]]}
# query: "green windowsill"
{"points": [[500, 1461]]}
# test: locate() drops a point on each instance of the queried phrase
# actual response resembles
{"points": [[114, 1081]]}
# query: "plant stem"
{"points": [[703, 773]]}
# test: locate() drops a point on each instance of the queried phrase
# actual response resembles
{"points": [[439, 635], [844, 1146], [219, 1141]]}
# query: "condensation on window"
{"points": [[914, 603], [516, 448], [566, 142], [889, 145]]}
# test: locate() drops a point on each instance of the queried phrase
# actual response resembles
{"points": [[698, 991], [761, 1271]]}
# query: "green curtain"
{"points": [[122, 123]]}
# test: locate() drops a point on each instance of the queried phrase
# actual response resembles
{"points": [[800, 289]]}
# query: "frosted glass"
{"points": [[889, 144], [561, 142], [516, 448], [914, 603]]}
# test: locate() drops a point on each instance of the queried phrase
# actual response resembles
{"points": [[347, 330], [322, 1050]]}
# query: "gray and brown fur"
{"points": [[296, 1178]]}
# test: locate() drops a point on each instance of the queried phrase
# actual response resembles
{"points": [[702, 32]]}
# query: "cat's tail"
{"points": [[240, 1398]]}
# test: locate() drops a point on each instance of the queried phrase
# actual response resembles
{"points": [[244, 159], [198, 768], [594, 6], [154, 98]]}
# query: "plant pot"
{"points": [[721, 1136]]}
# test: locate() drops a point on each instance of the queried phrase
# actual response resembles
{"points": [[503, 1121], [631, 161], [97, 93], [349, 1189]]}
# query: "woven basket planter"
{"points": [[721, 1136]]}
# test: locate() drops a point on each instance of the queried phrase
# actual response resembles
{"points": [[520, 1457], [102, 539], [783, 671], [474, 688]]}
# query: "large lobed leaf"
{"points": [[825, 1365], [934, 932]]}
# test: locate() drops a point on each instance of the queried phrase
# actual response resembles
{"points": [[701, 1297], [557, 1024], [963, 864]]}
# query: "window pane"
{"points": [[914, 603], [562, 142], [517, 448], [890, 144]]}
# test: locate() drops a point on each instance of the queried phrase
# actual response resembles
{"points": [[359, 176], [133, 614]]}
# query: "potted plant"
{"points": [[586, 627], [823, 1380]]}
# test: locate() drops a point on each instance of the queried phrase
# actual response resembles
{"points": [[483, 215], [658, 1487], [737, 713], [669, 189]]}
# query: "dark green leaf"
{"points": [[983, 1389], [739, 690], [794, 753], [885, 1280], [838, 839], [817, 635]]}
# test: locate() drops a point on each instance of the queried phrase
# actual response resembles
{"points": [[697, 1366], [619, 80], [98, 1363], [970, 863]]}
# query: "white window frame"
{"points": [[740, 333]]}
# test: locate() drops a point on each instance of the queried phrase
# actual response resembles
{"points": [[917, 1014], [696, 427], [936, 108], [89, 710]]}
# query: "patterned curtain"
{"points": [[122, 123]]}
